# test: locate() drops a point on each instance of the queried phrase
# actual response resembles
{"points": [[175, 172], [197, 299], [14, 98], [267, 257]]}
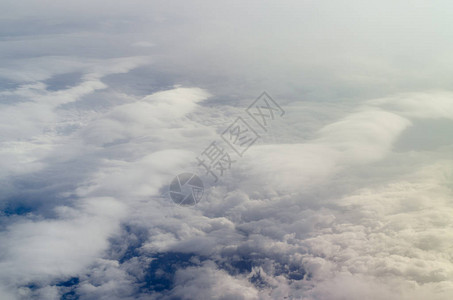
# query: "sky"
{"points": [[346, 193]]}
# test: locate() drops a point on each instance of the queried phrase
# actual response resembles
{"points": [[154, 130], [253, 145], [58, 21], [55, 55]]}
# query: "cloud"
{"points": [[209, 282], [428, 105], [345, 197], [39, 250], [362, 137]]}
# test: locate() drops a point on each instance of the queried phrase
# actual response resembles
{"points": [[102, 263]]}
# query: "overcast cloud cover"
{"points": [[347, 196]]}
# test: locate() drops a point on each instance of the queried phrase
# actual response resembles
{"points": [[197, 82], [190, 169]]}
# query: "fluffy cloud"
{"points": [[348, 196]]}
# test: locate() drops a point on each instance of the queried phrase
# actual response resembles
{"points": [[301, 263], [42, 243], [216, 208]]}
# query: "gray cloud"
{"points": [[348, 196]]}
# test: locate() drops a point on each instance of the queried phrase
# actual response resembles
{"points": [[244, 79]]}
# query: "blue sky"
{"points": [[346, 196]]}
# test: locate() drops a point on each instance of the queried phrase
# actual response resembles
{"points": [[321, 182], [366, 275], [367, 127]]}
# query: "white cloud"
{"points": [[39, 250], [102, 104], [207, 282]]}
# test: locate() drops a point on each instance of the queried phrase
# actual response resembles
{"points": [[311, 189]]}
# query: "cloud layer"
{"points": [[348, 196]]}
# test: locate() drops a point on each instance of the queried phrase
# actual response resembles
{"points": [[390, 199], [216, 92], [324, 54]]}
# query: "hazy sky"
{"points": [[348, 195]]}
